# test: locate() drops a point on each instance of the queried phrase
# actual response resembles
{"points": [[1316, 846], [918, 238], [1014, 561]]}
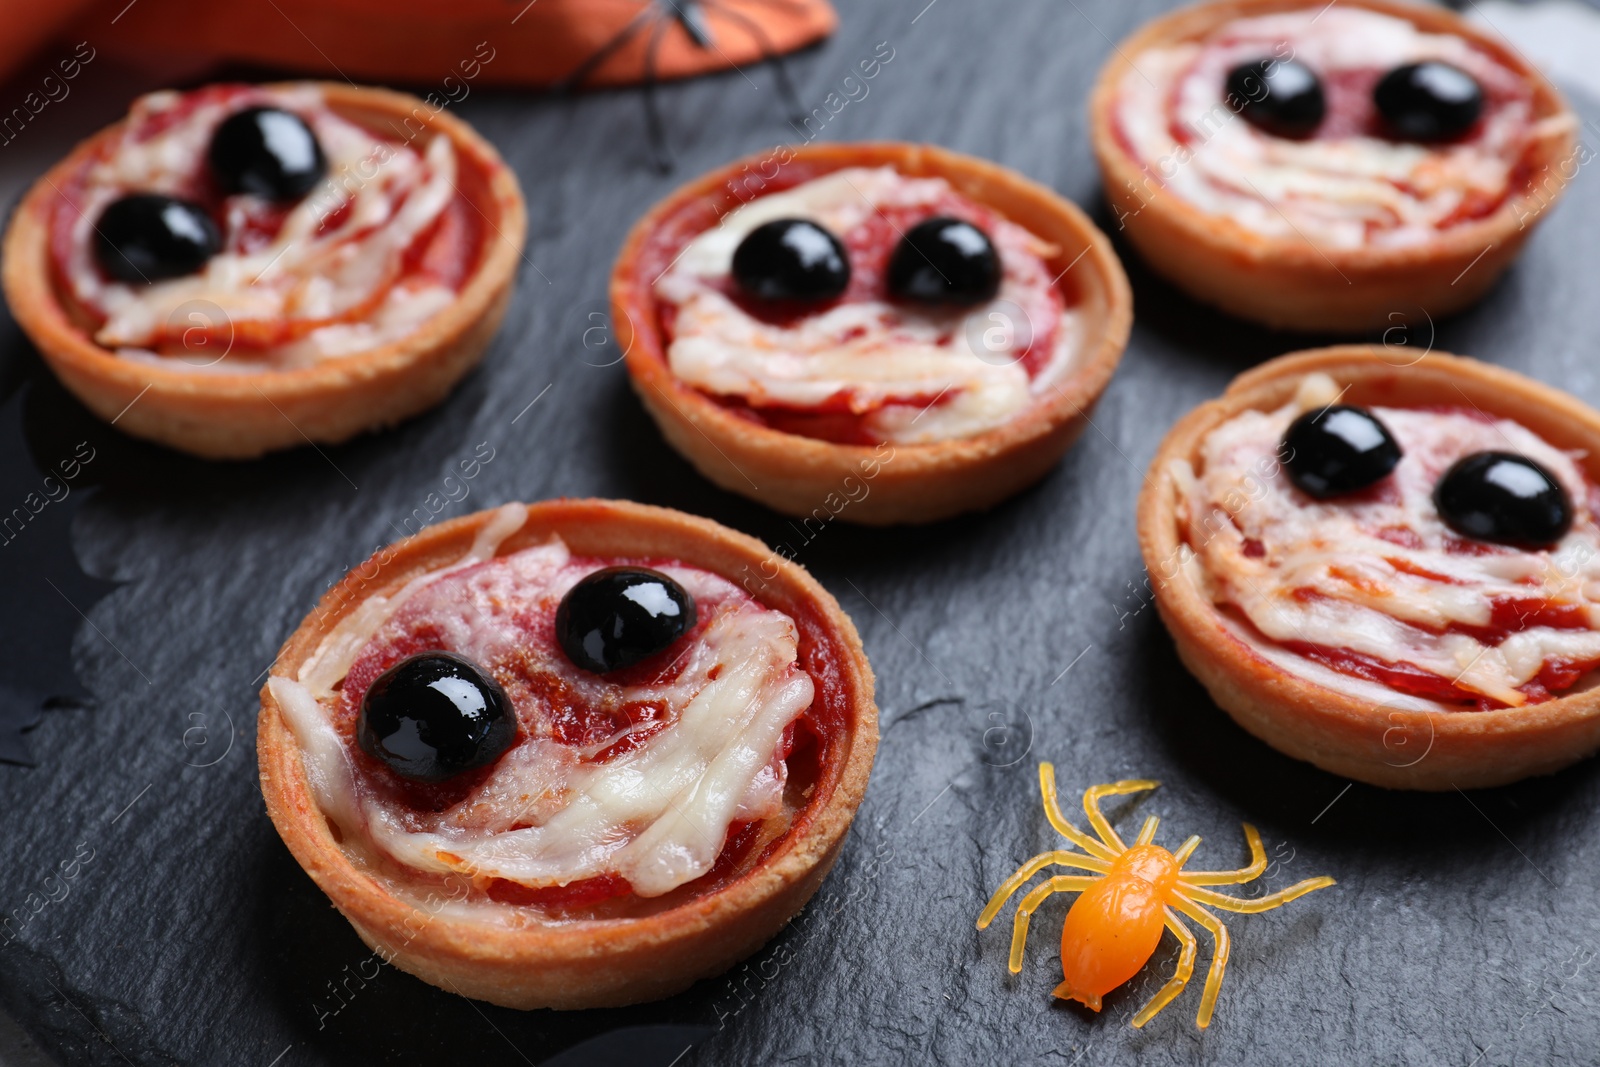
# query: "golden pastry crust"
{"points": [[586, 963], [1291, 283], [921, 483], [1335, 731], [240, 416]]}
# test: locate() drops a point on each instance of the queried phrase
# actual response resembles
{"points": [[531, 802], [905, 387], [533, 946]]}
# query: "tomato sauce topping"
{"points": [[445, 253], [870, 246], [1376, 585], [811, 747]]}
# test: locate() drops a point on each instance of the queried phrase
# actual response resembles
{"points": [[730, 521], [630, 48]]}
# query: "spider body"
{"points": [[1130, 897], [1114, 926]]}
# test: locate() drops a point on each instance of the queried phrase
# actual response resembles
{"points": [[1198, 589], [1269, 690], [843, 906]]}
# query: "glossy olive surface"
{"points": [[147, 237], [618, 616], [1505, 498], [945, 261], [1429, 101], [267, 151], [791, 259], [434, 715], [1339, 449], [1281, 96]]}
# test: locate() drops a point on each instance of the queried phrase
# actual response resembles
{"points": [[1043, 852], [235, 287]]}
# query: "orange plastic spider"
{"points": [[1113, 928]]}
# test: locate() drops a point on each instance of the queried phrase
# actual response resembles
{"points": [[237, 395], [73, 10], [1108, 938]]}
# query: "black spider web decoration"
{"points": [[657, 18]]}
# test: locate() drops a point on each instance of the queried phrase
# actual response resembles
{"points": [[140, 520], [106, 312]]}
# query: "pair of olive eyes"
{"points": [[435, 715], [941, 260], [1429, 101], [265, 151], [1488, 496]]}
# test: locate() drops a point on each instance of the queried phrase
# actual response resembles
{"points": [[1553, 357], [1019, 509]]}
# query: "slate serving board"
{"points": [[1465, 927]]}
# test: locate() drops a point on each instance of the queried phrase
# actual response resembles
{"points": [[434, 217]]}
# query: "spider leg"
{"points": [[1180, 976], [652, 111], [691, 16], [1052, 811], [1063, 883], [1258, 863], [1219, 955], [1250, 907], [769, 55], [1147, 833], [1091, 807], [1186, 850], [1031, 868], [606, 51]]}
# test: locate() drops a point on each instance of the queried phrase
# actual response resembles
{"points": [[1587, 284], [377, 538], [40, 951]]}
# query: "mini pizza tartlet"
{"points": [[1327, 167], [884, 332], [242, 268], [571, 754], [1390, 572]]}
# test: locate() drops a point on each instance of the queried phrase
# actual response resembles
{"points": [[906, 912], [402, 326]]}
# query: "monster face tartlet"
{"points": [[574, 754], [1325, 167], [1393, 573], [891, 314], [237, 269]]}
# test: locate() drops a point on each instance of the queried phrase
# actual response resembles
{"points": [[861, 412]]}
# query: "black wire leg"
{"points": [[607, 50], [655, 129], [769, 56]]}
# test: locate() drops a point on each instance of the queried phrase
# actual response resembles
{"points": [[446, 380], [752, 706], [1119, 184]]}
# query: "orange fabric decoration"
{"points": [[30, 25], [419, 42]]}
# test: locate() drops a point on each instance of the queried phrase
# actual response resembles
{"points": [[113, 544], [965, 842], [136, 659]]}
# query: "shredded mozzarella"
{"points": [[1339, 192], [657, 815], [1375, 573], [333, 271], [873, 352]]}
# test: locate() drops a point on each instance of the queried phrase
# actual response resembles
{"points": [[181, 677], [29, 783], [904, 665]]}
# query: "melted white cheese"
{"points": [[872, 351], [307, 274], [657, 815], [1336, 192], [1370, 598]]}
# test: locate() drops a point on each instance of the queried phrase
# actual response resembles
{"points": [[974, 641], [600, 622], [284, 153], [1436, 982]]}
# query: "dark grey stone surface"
{"points": [[1464, 929]]}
